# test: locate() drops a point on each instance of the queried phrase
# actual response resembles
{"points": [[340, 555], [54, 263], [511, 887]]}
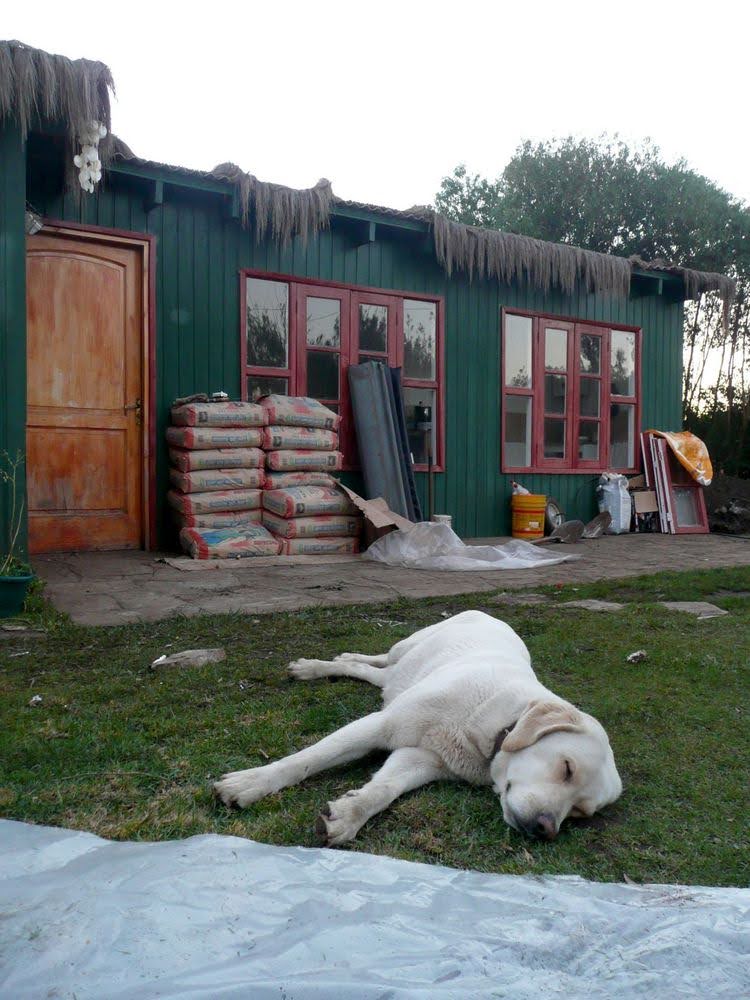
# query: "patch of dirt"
{"points": [[728, 504]]}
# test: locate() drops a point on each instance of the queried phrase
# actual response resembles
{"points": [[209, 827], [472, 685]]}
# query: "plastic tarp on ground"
{"points": [[437, 546], [221, 917]]}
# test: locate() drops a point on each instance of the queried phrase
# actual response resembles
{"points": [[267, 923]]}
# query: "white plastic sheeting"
{"points": [[221, 917], [436, 546]]}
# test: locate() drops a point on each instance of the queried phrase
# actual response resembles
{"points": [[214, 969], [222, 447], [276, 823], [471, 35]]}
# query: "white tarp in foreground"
{"points": [[219, 917], [437, 546]]}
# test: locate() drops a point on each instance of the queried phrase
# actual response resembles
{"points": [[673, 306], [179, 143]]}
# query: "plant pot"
{"points": [[13, 590]]}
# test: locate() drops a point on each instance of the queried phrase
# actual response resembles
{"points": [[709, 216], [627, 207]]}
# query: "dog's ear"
{"points": [[540, 719]]}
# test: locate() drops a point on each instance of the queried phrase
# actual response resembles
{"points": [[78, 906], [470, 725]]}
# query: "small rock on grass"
{"points": [[637, 656], [190, 658]]}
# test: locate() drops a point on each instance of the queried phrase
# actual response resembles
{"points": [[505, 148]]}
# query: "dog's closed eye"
{"points": [[568, 771]]}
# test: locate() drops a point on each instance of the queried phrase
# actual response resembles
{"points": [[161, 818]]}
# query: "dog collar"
{"points": [[500, 738]]}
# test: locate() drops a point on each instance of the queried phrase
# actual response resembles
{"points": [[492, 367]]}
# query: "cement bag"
{"points": [[314, 526], [307, 461], [225, 414], [220, 519], [214, 437], [281, 480], [310, 438], [307, 500], [228, 543], [613, 496], [216, 458], [319, 546], [204, 480], [298, 411], [209, 503]]}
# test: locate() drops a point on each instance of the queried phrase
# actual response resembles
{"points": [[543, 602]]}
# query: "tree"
{"points": [[605, 195]]}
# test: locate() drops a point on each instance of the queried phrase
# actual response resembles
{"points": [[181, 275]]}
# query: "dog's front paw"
{"points": [[242, 788], [304, 670], [337, 823]]}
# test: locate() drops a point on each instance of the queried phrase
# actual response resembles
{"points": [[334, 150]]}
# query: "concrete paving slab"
{"points": [[592, 605], [110, 588], [701, 609]]}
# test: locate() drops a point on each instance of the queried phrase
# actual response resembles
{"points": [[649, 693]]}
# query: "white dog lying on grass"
{"points": [[460, 701]]}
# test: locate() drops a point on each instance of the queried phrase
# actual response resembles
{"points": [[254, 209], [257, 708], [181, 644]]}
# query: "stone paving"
{"points": [[113, 588]]}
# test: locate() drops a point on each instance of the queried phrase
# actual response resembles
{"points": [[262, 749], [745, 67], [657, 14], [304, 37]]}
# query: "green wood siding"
{"points": [[200, 251], [12, 315]]}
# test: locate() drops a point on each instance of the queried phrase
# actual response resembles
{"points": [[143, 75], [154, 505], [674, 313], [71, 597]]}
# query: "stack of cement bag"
{"points": [[302, 504], [301, 442], [216, 477], [312, 520]]}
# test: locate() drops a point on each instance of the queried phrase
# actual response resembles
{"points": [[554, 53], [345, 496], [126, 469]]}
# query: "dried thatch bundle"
{"points": [[280, 211], [36, 84], [489, 253]]}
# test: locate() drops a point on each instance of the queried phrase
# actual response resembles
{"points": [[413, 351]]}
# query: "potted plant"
{"points": [[15, 575]]}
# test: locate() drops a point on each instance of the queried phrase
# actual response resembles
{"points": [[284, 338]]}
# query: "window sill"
{"points": [[537, 471]]}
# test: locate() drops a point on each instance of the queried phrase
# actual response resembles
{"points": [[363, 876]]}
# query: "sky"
{"points": [[384, 99]]}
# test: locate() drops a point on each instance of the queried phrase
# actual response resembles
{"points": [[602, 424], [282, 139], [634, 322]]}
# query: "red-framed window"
{"points": [[299, 336], [570, 394]]}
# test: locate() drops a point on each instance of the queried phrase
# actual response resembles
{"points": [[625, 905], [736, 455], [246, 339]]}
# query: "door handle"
{"points": [[138, 407]]}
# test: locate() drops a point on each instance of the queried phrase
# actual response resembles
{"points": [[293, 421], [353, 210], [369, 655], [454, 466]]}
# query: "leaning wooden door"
{"points": [[85, 387]]}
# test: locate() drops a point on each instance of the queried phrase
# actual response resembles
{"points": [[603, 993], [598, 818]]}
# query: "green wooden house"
{"points": [[536, 362]]}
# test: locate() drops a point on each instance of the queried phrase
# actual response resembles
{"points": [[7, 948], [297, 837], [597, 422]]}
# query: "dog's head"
{"points": [[555, 762]]}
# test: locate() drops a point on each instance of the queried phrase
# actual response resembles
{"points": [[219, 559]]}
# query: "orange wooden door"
{"points": [[85, 384]]}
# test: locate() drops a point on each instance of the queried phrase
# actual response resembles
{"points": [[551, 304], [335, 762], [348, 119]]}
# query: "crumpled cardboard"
{"points": [[379, 518]]}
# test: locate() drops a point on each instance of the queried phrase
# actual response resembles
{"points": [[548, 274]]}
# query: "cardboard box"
{"points": [[379, 518], [645, 502]]}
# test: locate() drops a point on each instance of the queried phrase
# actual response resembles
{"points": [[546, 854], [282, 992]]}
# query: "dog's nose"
{"points": [[543, 826]]}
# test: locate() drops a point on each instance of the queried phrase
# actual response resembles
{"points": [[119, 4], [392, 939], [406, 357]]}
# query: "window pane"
{"points": [[421, 423], [622, 436], [323, 322], [589, 403], [554, 438], [517, 444], [622, 363], [555, 349], [374, 357], [420, 320], [686, 506], [322, 375], [267, 323], [588, 440], [590, 359], [373, 328], [258, 386], [518, 351], [554, 393]]}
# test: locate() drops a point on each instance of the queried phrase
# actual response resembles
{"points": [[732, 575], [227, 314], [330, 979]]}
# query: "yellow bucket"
{"points": [[528, 515]]}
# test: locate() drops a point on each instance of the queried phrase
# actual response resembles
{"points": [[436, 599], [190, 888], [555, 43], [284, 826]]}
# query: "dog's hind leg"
{"points": [[310, 670], [405, 769], [351, 742], [375, 660]]}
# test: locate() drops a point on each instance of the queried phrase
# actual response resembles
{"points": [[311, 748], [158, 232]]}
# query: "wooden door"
{"points": [[85, 390]]}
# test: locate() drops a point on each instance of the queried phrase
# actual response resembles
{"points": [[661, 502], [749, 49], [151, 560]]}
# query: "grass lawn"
{"points": [[130, 754]]}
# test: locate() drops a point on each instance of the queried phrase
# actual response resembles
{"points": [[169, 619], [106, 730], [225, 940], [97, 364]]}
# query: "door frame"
{"points": [[146, 244]]}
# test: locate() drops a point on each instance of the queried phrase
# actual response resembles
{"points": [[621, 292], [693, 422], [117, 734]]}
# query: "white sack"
{"points": [[436, 546], [222, 918]]}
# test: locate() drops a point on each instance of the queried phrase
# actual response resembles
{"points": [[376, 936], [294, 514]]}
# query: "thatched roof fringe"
{"points": [[36, 83], [696, 282], [489, 253], [280, 211]]}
